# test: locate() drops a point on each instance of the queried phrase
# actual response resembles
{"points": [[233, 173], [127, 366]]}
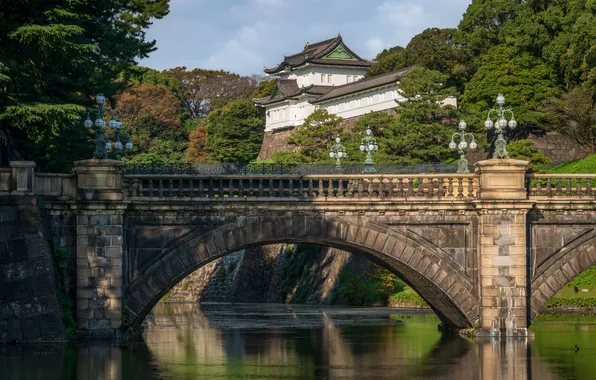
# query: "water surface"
{"points": [[219, 341]]}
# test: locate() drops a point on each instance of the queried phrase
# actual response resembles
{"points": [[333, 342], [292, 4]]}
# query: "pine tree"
{"points": [[54, 54]]}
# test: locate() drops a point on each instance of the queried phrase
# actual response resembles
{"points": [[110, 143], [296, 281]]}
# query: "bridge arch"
{"points": [[560, 268], [437, 277]]}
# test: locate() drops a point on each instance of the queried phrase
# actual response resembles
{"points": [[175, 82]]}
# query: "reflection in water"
{"points": [[190, 341]]}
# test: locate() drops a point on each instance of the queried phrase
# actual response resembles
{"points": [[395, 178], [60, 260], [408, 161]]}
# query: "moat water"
{"points": [[191, 341]]}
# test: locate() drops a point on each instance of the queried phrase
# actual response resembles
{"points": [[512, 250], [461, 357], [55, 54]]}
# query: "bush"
{"points": [[525, 150], [62, 256]]}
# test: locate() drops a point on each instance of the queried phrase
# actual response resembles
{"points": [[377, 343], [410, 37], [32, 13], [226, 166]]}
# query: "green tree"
{"points": [[55, 53], [265, 88], [235, 132], [315, 136], [424, 128], [388, 61], [435, 49], [525, 150], [574, 115], [525, 81]]}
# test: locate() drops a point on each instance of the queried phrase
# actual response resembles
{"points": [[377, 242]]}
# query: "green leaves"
{"points": [[55, 55], [525, 150], [52, 116], [526, 82], [235, 132], [314, 137]]}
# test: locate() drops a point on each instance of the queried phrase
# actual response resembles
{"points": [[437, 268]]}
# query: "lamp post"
{"points": [[462, 135], [500, 125], [368, 145], [338, 152], [101, 145]]}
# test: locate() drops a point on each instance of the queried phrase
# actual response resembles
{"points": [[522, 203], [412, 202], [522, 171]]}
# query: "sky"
{"points": [[244, 36]]}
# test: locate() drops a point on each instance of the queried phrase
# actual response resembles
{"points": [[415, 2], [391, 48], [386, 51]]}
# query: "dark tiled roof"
{"points": [[363, 84], [315, 52], [288, 89], [342, 62], [287, 86]]}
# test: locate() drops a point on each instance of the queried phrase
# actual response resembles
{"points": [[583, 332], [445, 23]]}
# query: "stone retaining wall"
{"points": [[30, 309]]}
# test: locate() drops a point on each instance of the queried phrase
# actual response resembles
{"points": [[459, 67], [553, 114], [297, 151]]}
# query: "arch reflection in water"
{"points": [[191, 341]]}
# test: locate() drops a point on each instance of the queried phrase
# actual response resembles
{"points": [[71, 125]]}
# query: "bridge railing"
{"points": [[413, 186], [561, 186], [262, 168]]}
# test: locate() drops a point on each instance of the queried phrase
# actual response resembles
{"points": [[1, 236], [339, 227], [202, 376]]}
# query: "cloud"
{"points": [[268, 3], [404, 13], [374, 46], [243, 36]]}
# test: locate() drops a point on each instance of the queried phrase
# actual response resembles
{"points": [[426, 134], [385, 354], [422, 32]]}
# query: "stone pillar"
{"points": [[502, 206], [100, 211], [22, 177]]}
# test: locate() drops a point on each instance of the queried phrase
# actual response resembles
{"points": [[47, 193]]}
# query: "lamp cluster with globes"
{"points": [[500, 124], [338, 152], [369, 145], [462, 136], [103, 145]]}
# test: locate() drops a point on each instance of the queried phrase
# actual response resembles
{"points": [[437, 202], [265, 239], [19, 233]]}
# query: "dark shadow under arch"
{"points": [[562, 267], [437, 277]]}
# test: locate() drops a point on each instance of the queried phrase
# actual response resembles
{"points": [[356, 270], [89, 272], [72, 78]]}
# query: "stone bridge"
{"points": [[486, 250]]}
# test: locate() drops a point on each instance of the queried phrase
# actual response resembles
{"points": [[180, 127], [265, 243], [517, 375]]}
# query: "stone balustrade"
{"points": [[561, 186], [420, 186], [63, 186], [5, 176]]}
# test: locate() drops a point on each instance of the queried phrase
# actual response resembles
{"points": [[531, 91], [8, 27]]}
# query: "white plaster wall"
{"points": [[360, 104], [285, 114], [307, 75]]}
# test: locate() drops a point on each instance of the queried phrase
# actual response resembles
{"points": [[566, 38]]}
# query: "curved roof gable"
{"points": [[329, 52], [288, 89]]}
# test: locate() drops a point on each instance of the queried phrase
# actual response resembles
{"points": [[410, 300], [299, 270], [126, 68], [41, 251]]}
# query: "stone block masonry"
{"points": [[99, 249], [99, 268], [465, 249], [30, 308]]}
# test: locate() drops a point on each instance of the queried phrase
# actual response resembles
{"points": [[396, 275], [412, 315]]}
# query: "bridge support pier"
{"points": [[503, 206], [100, 208]]}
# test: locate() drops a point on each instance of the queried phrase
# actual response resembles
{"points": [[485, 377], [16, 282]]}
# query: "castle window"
{"points": [[323, 78]]}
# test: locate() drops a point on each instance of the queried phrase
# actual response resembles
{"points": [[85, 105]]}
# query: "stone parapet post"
{"points": [[22, 177], [502, 208], [100, 210]]}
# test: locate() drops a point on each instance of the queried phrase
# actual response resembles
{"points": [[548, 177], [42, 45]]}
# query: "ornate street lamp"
{"points": [[101, 145], [338, 152], [462, 135], [368, 145], [500, 125]]}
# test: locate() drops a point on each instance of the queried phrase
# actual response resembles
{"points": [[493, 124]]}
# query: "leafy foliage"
{"points": [[424, 127], [388, 61], [151, 117], [202, 91], [265, 88], [235, 132], [196, 151], [573, 114], [316, 134], [525, 81], [525, 150], [374, 288], [55, 53]]}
